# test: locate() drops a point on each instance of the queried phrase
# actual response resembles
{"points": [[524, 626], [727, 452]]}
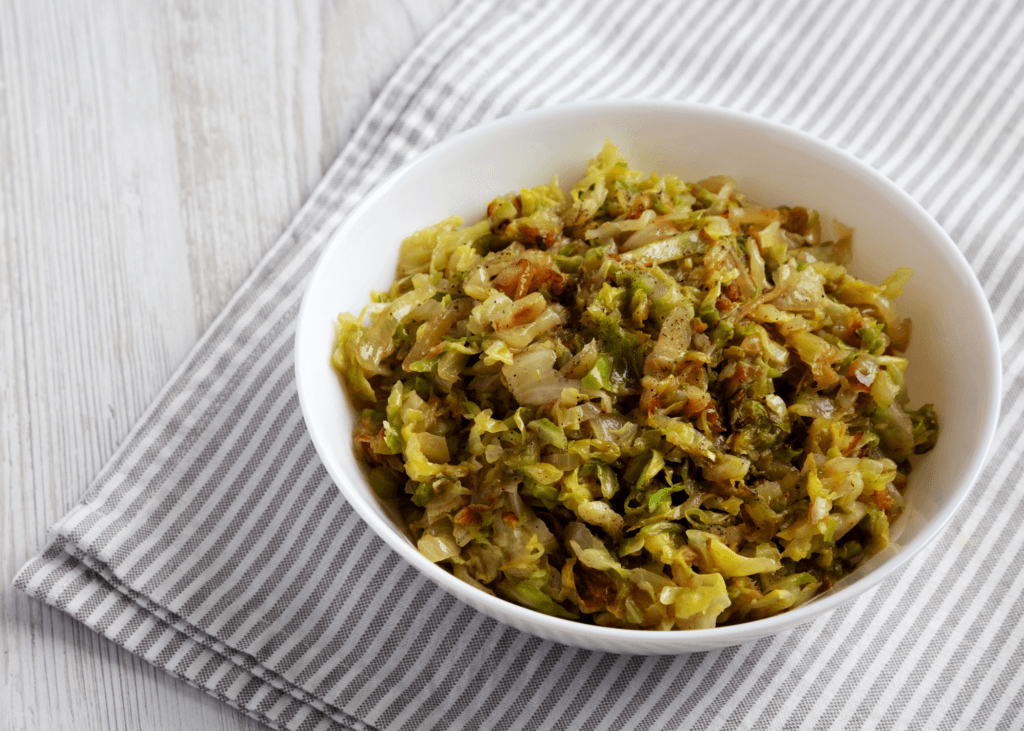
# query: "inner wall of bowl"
{"points": [[771, 165]]}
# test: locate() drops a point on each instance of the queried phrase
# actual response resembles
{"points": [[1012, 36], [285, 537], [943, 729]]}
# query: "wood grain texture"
{"points": [[150, 153]]}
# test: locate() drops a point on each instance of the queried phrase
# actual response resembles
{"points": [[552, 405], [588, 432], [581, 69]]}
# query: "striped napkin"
{"points": [[214, 545]]}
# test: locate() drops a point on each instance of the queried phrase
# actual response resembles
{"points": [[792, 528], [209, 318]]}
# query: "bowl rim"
{"points": [[564, 630]]}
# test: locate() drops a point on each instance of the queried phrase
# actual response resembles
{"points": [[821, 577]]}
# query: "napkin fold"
{"points": [[214, 545]]}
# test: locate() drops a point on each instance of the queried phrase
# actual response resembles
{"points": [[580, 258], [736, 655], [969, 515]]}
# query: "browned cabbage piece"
{"points": [[640, 403]]}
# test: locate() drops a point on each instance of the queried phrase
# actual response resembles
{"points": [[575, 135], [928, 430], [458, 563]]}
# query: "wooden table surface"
{"points": [[150, 153]]}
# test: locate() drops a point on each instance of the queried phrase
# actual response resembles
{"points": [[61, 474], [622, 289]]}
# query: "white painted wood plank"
{"points": [[150, 153]]}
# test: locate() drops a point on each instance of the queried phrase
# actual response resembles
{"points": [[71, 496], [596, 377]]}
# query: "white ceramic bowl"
{"points": [[954, 352]]}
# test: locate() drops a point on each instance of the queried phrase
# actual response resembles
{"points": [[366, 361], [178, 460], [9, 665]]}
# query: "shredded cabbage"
{"points": [[644, 403]]}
